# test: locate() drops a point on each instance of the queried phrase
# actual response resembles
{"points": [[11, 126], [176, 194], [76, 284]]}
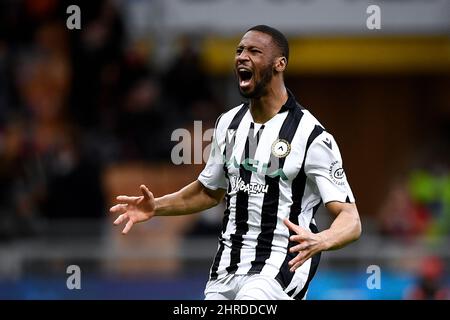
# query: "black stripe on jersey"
{"points": [[233, 126], [284, 277], [315, 259], [242, 201], [269, 212]]}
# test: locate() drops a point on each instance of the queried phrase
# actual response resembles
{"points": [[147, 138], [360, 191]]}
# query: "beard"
{"points": [[260, 87]]}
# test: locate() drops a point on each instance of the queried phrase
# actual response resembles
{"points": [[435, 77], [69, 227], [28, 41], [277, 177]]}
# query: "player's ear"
{"points": [[280, 64]]}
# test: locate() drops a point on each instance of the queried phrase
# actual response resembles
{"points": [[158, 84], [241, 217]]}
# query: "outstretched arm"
{"points": [[345, 229], [190, 199]]}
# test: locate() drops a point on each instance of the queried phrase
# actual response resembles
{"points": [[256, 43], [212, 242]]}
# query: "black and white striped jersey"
{"points": [[285, 167]]}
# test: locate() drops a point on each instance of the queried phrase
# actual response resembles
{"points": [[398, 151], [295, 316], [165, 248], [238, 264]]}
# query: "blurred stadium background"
{"points": [[88, 114]]}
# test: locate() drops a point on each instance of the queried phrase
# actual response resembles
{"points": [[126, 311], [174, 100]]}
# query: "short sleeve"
{"points": [[213, 175], [323, 165]]}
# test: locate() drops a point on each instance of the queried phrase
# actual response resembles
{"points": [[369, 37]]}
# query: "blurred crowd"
{"points": [[74, 101], [430, 281], [418, 205]]}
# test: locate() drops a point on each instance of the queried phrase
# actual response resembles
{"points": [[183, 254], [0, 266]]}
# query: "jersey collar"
{"points": [[290, 103]]}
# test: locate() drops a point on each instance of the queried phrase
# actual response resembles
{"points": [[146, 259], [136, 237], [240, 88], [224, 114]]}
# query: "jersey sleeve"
{"points": [[323, 165], [213, 175]]}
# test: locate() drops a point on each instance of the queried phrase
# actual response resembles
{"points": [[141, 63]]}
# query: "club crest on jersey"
{"points": [[281, 148]]}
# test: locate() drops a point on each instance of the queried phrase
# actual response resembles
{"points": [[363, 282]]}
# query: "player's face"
{"points": [[254, 63]]}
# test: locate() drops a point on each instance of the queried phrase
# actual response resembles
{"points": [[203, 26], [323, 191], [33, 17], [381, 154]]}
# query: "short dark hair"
{"points": [[277, 37]]}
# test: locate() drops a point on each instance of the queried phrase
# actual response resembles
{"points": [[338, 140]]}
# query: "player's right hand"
{"points": [[134, 209]]}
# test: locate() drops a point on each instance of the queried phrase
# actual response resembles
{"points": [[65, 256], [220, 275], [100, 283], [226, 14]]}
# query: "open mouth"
{"points": [[245, 77]]}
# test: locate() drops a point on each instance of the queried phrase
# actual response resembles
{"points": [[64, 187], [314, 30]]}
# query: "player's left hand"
{"points": [[309, 244]]}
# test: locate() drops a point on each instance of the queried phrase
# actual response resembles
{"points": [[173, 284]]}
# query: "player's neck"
{"points": [[266, 107]]}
